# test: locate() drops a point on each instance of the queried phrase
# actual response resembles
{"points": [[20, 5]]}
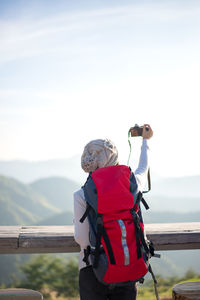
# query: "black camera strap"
{"points": [[149, 182], [130, 146]]}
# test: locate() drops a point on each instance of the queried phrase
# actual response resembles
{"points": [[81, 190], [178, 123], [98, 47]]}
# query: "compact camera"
{"points": [[137, 130]]}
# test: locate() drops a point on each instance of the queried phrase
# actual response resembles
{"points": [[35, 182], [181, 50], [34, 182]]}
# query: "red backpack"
{"points": [[118, 250]]}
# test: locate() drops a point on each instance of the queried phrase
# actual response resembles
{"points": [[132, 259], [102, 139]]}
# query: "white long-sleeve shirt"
{"points": [[81, 230]]}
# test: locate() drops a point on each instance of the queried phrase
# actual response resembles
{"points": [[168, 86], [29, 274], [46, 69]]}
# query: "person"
{"points": [[97, 154]]}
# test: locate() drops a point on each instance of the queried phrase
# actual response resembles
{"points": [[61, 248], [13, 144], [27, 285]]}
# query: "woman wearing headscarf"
{"points": [[98, 154]]}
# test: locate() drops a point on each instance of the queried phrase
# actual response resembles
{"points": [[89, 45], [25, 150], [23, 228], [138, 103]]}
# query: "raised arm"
{"points": [[142, 169]]}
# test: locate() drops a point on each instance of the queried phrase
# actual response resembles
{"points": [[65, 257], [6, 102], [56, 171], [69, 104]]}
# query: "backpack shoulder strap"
{"points": [[90, 192], [86, 213]]}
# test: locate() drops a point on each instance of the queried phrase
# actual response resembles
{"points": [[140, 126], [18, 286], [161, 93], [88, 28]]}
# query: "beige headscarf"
{"points": [[97, 154]]}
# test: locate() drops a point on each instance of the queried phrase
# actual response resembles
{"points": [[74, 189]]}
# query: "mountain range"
{"points": [[23, 204], [180, 194], [58, 190], [20, 204], [29, 171]]}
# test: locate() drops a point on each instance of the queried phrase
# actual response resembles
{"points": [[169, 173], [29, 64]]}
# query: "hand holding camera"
{"points": [[145, 131]]}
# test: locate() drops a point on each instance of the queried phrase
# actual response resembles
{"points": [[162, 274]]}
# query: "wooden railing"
{"points": [[60, 239]]}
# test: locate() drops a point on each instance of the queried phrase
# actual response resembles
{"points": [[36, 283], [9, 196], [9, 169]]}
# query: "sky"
{"points": [[73, 71]]}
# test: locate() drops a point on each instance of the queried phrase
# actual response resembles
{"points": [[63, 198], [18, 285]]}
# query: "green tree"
{"points": [[190, 274], [68, 285], [47, 273]]}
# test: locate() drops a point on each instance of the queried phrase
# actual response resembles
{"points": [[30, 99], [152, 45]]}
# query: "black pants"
{"points": [[92, 289]]}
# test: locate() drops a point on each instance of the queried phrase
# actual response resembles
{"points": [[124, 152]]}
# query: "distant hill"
{"points": [[171, 194], [172, 203], [170, 217], [58, 190], [65, 218], [177, 187], [22, 205], [10, 266], [176, 262], [29, 171]]}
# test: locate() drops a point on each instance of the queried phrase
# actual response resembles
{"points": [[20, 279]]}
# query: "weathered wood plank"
{"points": [[174, 236], [60, 239], [175, 241], [46, 230], [41, 239], [173, 227], [9, 237]]}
